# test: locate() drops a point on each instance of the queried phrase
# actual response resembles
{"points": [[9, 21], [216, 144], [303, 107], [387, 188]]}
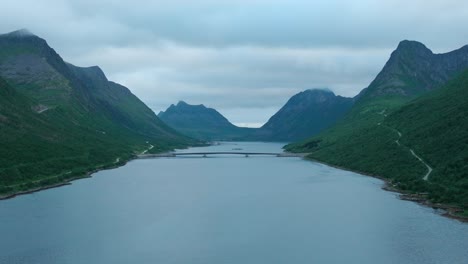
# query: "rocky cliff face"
{"points": [[413, 70]]}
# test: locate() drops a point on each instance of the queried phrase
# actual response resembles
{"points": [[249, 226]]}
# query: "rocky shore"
{"points": [[449, 211]]}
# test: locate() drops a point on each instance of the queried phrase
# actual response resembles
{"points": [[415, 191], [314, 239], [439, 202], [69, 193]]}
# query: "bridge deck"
{"points": [[204, 154]]}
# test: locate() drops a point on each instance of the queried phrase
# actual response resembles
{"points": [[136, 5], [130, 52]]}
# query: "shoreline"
{"points": [[70, 180], [421, 199], [65, 182], [449, 210]]}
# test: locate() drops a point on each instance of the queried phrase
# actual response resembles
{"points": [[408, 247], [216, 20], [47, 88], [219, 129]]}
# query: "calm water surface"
{"points": [[226, 210]]}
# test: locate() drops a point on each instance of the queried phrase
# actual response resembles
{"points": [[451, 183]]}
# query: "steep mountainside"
{"points": [[304, 115], [200, 122], [414, 70], [59, 121], [436, 127], [365, 140], [118, 104]]}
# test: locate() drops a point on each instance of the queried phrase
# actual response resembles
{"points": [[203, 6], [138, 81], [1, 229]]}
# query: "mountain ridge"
{"points": [[366, 141], [305, 114], [201, 122], [413, 69], [64, 121]]}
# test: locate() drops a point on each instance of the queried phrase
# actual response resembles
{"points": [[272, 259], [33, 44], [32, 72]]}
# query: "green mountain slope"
{"points": [[119, 105], [59, 121], [304, 115], [365, 140], [200, 122], [436, 127]]}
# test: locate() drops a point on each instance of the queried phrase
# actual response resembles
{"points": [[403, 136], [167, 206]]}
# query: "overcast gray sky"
{"points": [[245, 57]]}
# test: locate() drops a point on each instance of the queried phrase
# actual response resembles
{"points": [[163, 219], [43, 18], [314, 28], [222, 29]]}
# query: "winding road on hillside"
{"points": [[146, 151], [429, 169]]}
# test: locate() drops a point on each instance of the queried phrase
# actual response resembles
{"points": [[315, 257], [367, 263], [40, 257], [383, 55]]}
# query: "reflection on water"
{"points": [[226, 210]]}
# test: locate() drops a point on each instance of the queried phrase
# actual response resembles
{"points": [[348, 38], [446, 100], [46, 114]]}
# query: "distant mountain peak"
{"points": [[305, 114], [412, 46], [319, 90], [200, 122], [318, 95], [413, 69], [410, 43], [21, 33], [185, 104], [182, 103]]}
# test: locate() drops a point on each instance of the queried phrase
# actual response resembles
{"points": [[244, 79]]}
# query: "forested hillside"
{"points": [[58, 121], [406, 98]]}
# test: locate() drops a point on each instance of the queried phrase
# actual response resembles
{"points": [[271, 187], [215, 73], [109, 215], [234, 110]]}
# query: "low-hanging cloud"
{"points": [[237, 56]]}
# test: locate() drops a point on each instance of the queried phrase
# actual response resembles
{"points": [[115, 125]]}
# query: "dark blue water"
{"points": [[226, 210]]}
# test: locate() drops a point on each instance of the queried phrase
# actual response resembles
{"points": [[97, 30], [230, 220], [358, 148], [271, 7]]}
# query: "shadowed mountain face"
{"points": [[412, 70], [200, 122], [118, 104], [304, 115], [61, 120], [432, 125]]}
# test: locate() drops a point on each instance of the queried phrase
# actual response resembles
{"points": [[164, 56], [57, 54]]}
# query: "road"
{"points": [[429, 169], [144, 152]]}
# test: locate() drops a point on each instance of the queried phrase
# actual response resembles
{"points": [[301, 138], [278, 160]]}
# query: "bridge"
{"points": [[206, 154]]}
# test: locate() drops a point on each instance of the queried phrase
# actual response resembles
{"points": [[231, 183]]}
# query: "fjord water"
{"points": [[226, 209]]}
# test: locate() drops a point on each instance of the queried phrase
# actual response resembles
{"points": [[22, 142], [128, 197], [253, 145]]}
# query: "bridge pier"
{"points": [[246, 155]]}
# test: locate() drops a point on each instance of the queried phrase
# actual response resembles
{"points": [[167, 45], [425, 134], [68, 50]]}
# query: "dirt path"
{"points": [[398, 140], [43, 110], [429, 169], [144, 152]]}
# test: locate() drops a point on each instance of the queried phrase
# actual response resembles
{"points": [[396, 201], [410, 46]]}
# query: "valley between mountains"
{"points": [[409, 126], [60, 122]]}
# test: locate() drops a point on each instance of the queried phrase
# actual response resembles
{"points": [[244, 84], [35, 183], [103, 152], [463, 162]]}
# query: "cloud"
{"points": [[245, 58], [245, 72]]}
